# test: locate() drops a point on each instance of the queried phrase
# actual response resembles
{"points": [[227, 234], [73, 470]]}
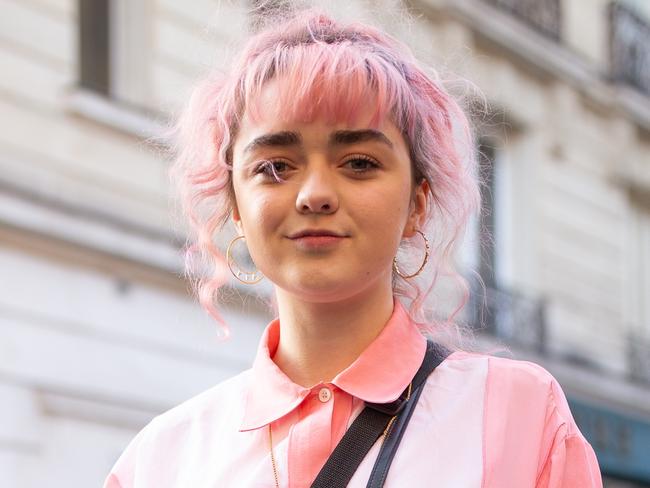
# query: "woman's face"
{"points": [[331, 228]]}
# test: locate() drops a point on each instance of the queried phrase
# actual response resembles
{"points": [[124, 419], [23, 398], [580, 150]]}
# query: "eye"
{"points": [[272, 168], [361, 164]]}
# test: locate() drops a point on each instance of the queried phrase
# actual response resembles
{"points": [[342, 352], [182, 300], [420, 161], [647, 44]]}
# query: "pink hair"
{"points": [[332, 70]]}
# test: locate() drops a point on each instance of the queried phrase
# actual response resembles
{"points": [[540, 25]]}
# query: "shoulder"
{"points": [[528, 422], [517, 387], [217, 406], [530, 388], [519, 376], [181, 431], [224, 398]]}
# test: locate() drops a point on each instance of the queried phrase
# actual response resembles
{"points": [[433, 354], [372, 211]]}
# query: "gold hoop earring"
{"points": [[246, 277], [424, 262]]}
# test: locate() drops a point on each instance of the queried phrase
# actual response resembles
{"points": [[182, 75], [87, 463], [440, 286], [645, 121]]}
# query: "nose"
{"points": [[317, 192]]}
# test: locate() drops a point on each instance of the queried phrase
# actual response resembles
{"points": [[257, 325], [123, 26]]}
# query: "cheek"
{"points": [[263, 217], [254, 204], [260, 214], [385, 208]]}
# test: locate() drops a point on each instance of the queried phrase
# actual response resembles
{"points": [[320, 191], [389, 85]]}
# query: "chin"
{"points": [[318, 287]]}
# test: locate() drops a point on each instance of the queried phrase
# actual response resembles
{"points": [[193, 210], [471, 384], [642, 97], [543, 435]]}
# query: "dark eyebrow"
{"points": [[354, 136], [275, 139], [340, 137]]}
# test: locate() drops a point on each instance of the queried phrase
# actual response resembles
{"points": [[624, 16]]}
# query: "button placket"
{"points": [[313, 435]]}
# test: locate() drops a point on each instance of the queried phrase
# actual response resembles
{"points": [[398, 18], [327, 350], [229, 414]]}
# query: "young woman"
{"points": [[330, 149]]}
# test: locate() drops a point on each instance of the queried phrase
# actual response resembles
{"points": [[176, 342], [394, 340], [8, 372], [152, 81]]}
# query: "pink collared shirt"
{"points": [[481, 421]]}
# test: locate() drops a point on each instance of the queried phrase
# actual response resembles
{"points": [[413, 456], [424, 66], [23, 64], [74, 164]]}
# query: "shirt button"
{"points": [[324, 394]]}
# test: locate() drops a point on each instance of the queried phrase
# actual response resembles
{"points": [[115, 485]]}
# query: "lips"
{"points": [[316, 233]]}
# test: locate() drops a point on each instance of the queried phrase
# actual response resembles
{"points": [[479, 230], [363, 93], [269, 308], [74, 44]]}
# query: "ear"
{"points": [[236, 219], [417, 209]]}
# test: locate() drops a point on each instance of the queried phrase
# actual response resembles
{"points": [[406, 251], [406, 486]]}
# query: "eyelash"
{"points": [[360, 157], [265, 166]]}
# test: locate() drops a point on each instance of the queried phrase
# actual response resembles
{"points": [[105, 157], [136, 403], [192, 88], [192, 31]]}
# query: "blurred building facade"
{"points": [[97, 330]]}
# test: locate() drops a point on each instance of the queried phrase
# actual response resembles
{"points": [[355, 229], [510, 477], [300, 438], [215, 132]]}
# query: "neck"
{"points": [[319, 340]]}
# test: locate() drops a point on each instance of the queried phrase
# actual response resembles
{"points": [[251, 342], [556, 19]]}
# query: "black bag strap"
{"points": [[370, 424], [437, 353]]}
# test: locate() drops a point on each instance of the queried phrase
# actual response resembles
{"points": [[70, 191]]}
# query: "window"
{"points": [[629, 46], [499, 309], [94, 46], [638, 293], [542, 15], [114, 45]]}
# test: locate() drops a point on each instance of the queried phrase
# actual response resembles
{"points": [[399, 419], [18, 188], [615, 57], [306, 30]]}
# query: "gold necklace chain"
{"points": [[275, 468], [384, 435]]}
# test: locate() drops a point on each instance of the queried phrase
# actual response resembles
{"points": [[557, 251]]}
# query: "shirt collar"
{"points": [[379, 375]]}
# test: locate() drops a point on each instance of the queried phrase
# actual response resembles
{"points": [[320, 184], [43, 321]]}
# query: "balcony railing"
{"points": [[629, 47], [516, 318], [544, 16], [638, 356]]}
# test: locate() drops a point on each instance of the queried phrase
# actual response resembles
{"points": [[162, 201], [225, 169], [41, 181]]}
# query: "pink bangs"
{"points": [[324, 70], [324, 80]]}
